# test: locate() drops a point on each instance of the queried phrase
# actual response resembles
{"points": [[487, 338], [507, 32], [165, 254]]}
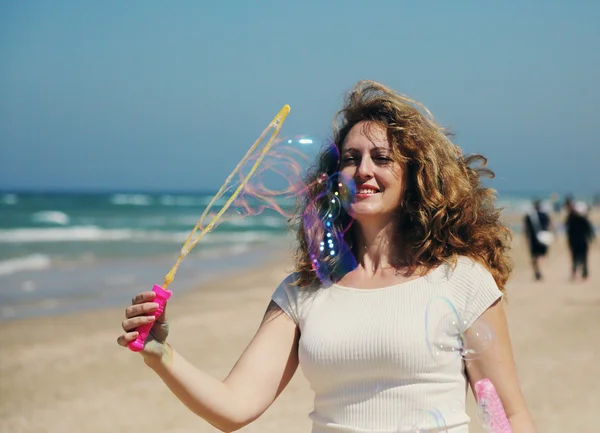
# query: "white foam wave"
{"points": [[34, 262], [256, 221], [10, 199], [174, 200], [224, 252], [97, 234], [81, 233], [190, 220], [239, 222], [51, 216], [273, 221], [131, 199], [241, 237]]}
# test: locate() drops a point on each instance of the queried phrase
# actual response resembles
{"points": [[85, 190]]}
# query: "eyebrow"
{"points": [[376, 148]]}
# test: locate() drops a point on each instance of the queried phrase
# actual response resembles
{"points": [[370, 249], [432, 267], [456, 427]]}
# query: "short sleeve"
{"points": [[475, 290], [286, 297]]}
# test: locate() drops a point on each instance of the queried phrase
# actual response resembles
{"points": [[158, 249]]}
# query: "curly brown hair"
{"points": [[445, 211]]}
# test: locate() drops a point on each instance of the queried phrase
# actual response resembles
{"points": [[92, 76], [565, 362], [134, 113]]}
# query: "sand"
{"points": [[67, 374]]}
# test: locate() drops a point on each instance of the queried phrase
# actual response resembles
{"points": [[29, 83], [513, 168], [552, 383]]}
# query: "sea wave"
{"points": [[131, 199], [51, 217], [9, 199], [34, 262], [184, 201], [78, 233], [257, 221], [97, 234]]}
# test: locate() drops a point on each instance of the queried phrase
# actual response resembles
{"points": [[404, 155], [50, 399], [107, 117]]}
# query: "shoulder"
{"points": [[288, 286], [472, 288], [468, 275], [290, 297], [467, 267], [286, 297]]}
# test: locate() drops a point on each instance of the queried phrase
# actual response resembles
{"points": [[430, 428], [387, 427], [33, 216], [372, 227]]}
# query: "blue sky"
{"points": [[149, 95]]}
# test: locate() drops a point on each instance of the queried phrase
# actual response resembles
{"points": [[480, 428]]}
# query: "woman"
{"points": [[427, 243]]}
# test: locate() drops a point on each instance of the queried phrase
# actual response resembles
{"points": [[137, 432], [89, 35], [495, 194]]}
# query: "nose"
{"points": [[365, 169]]}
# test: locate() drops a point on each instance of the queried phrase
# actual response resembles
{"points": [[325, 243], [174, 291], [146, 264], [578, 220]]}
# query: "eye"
{"points": [[382, 160], [349, 160]]}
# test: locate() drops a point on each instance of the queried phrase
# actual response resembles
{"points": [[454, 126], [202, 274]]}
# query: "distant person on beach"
{"points": [[428, 244], [569, 204], [539, 236], [580, 233]]}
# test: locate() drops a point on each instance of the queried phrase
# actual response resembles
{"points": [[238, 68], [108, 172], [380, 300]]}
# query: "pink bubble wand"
{"points": [[162, 294], [492, 413]]}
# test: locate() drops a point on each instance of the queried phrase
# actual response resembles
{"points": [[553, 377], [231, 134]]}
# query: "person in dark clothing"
{"points": [[538, 234], [580, 233]]}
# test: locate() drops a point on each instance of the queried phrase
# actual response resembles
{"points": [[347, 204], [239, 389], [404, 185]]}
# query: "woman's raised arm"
{"points": [[263, 370]]}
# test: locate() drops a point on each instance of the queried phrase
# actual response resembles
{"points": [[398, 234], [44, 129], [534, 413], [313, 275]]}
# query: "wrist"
{"points": [[160, 357]]}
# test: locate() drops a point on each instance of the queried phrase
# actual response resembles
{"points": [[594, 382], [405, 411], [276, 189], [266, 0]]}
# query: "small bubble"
{"points": [[423, 421], [477, 339], [483, 414]]}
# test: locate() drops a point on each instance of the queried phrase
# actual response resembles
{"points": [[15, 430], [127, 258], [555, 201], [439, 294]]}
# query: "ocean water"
{"points": [[61, 252]]}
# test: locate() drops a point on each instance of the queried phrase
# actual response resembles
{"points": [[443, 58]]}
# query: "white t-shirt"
{"points": [[385, 360]]}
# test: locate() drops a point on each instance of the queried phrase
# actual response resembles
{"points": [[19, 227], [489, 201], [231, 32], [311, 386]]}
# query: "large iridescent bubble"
{"points": [[325, 222], [277, 175], [447, 336], [299, 179]]}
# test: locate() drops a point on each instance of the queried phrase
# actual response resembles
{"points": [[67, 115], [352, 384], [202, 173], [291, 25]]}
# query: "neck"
{"points": [[376, 245]]}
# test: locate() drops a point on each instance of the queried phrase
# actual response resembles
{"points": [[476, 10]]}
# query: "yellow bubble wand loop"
{"points": [[275, 124], [162, 294]]}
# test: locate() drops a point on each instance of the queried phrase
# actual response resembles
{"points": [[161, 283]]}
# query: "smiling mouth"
{"points": [[362, 192]]}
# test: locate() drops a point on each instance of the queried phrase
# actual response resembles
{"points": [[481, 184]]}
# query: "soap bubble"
{"points": [[449, 336], [423, 421], [483, 415], [298, 179], [278, 177], [325, 219], [490, 411]]}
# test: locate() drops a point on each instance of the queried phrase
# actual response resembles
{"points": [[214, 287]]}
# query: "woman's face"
{"points": [[369, 161]]}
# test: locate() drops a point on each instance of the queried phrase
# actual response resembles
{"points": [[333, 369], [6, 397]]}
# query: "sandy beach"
{"points": [[67, 374]]}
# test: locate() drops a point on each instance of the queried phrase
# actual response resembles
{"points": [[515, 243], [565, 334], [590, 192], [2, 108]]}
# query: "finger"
{"points": [[140, 309], [135, 322], [127, 338], [163, 317], [143, 297]]}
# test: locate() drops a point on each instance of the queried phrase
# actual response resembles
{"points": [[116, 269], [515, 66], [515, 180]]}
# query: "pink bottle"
{"points": [[492, 412], [161, 298]]}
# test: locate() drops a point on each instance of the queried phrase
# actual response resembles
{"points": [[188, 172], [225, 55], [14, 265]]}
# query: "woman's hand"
{"points": [[140, 313]]}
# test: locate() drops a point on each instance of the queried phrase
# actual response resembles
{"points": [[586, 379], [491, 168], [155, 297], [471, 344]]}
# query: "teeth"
{"points": [[366, 191]]}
